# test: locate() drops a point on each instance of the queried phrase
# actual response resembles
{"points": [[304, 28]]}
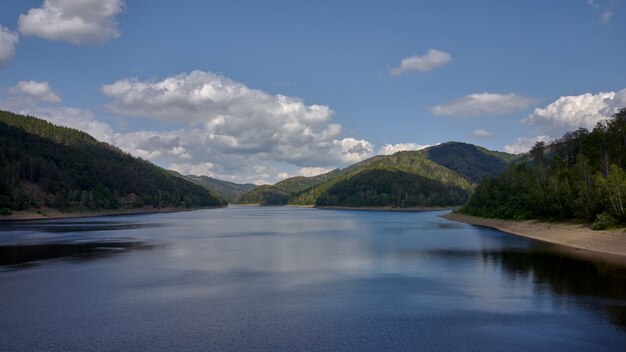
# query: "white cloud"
{"points": [[313, 171], [35, 92], [605, 18], [571, 112], [431, 60], [389, 149], [522, 145], [482, 134], [75, 21], [8, 40], [228, 117], [483, 104]]}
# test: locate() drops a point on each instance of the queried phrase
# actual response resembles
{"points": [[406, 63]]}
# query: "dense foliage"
{"points": [[580, 176], [228, 190], [412, 162], [265, 195], [470, 161], [43, 165], [294, 185], [381, 187]]}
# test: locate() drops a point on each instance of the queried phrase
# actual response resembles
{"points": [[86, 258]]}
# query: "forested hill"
{"points": [[46, 166], [470, 161], [580, 176], [442, 175], [404, 179], [228, 190]]}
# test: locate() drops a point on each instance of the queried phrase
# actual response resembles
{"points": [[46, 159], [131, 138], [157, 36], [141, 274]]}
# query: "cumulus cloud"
{"points": [[483, 104], [8, 40], [389, 149], [35, 92], [229, 117], [482, 134], [431, 60], [524, 144], [571, 112], [78, 22]]}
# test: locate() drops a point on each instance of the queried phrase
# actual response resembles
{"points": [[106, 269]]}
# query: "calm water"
{"points": [[284, 279]]}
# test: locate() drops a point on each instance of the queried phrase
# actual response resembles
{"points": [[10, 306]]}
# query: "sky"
{"points": [[257, 91]]}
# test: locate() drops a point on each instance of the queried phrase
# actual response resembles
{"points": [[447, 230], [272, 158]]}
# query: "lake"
{"points": [[285, 279]]}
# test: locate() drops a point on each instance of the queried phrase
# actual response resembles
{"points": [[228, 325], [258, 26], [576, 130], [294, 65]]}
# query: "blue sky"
{"points": [[114, 68]]}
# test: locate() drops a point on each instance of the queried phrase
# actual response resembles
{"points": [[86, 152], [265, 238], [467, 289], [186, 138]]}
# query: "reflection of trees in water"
{"points": [[20, 254], [567, 275]]}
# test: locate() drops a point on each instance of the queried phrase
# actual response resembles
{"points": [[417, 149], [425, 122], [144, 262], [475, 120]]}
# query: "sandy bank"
{"points": [[55, 214], [577, 236]]}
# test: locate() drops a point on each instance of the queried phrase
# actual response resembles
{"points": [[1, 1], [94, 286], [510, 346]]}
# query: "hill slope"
{"points": [[468, 160], [441, 175], [43, 165], [406, 176], [581, 176], [228, 190], [264, 195]]}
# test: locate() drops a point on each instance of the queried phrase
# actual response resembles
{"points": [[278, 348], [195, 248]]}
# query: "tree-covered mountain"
{"points": [[442, 175], [392, 188], [228, 190], [397, 167], [470, 161], [47, 166], [264, 195], [580, 176]]}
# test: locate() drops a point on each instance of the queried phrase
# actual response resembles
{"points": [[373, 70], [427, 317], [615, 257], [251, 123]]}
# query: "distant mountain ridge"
{"points": [[441, 175], [230, 191], [47, 166]]}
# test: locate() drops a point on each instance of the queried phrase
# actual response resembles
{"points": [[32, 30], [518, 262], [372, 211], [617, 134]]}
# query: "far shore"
{"points": [[44, 214], [578, 236], [406, 209]]}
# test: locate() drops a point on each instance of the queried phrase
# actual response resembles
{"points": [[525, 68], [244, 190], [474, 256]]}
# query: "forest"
{"points": [[393, 188], [43, 165], [580, 176]]}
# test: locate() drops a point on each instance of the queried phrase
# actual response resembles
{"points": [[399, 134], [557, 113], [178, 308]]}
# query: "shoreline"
{"points": [[576, 236], [407, 209], [50, 214]]}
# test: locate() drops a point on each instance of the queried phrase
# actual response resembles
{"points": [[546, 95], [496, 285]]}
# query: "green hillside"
{"points": [[580, 176], [265, 195], [43, 165], [397, 166], [298, 184], [392, 188], [470, 161], [228, 190]]}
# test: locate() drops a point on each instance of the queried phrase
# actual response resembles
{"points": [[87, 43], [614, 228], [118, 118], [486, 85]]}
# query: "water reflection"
{"points": [[83, 250], [567, 275], [74, 226]]}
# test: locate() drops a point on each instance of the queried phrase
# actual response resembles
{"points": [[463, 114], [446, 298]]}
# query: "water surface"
{"points": [[283, 279]]}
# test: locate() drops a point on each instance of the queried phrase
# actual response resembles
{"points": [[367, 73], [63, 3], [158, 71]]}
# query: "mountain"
{"points": [[265, 195], [298, 184], [47, 166], [441, 175], [400, 178], [228, 190], [581, 176], [470, 161]]}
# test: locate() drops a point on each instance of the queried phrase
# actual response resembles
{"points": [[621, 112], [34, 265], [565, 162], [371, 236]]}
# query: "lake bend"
{"points": [[289, 278]]}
